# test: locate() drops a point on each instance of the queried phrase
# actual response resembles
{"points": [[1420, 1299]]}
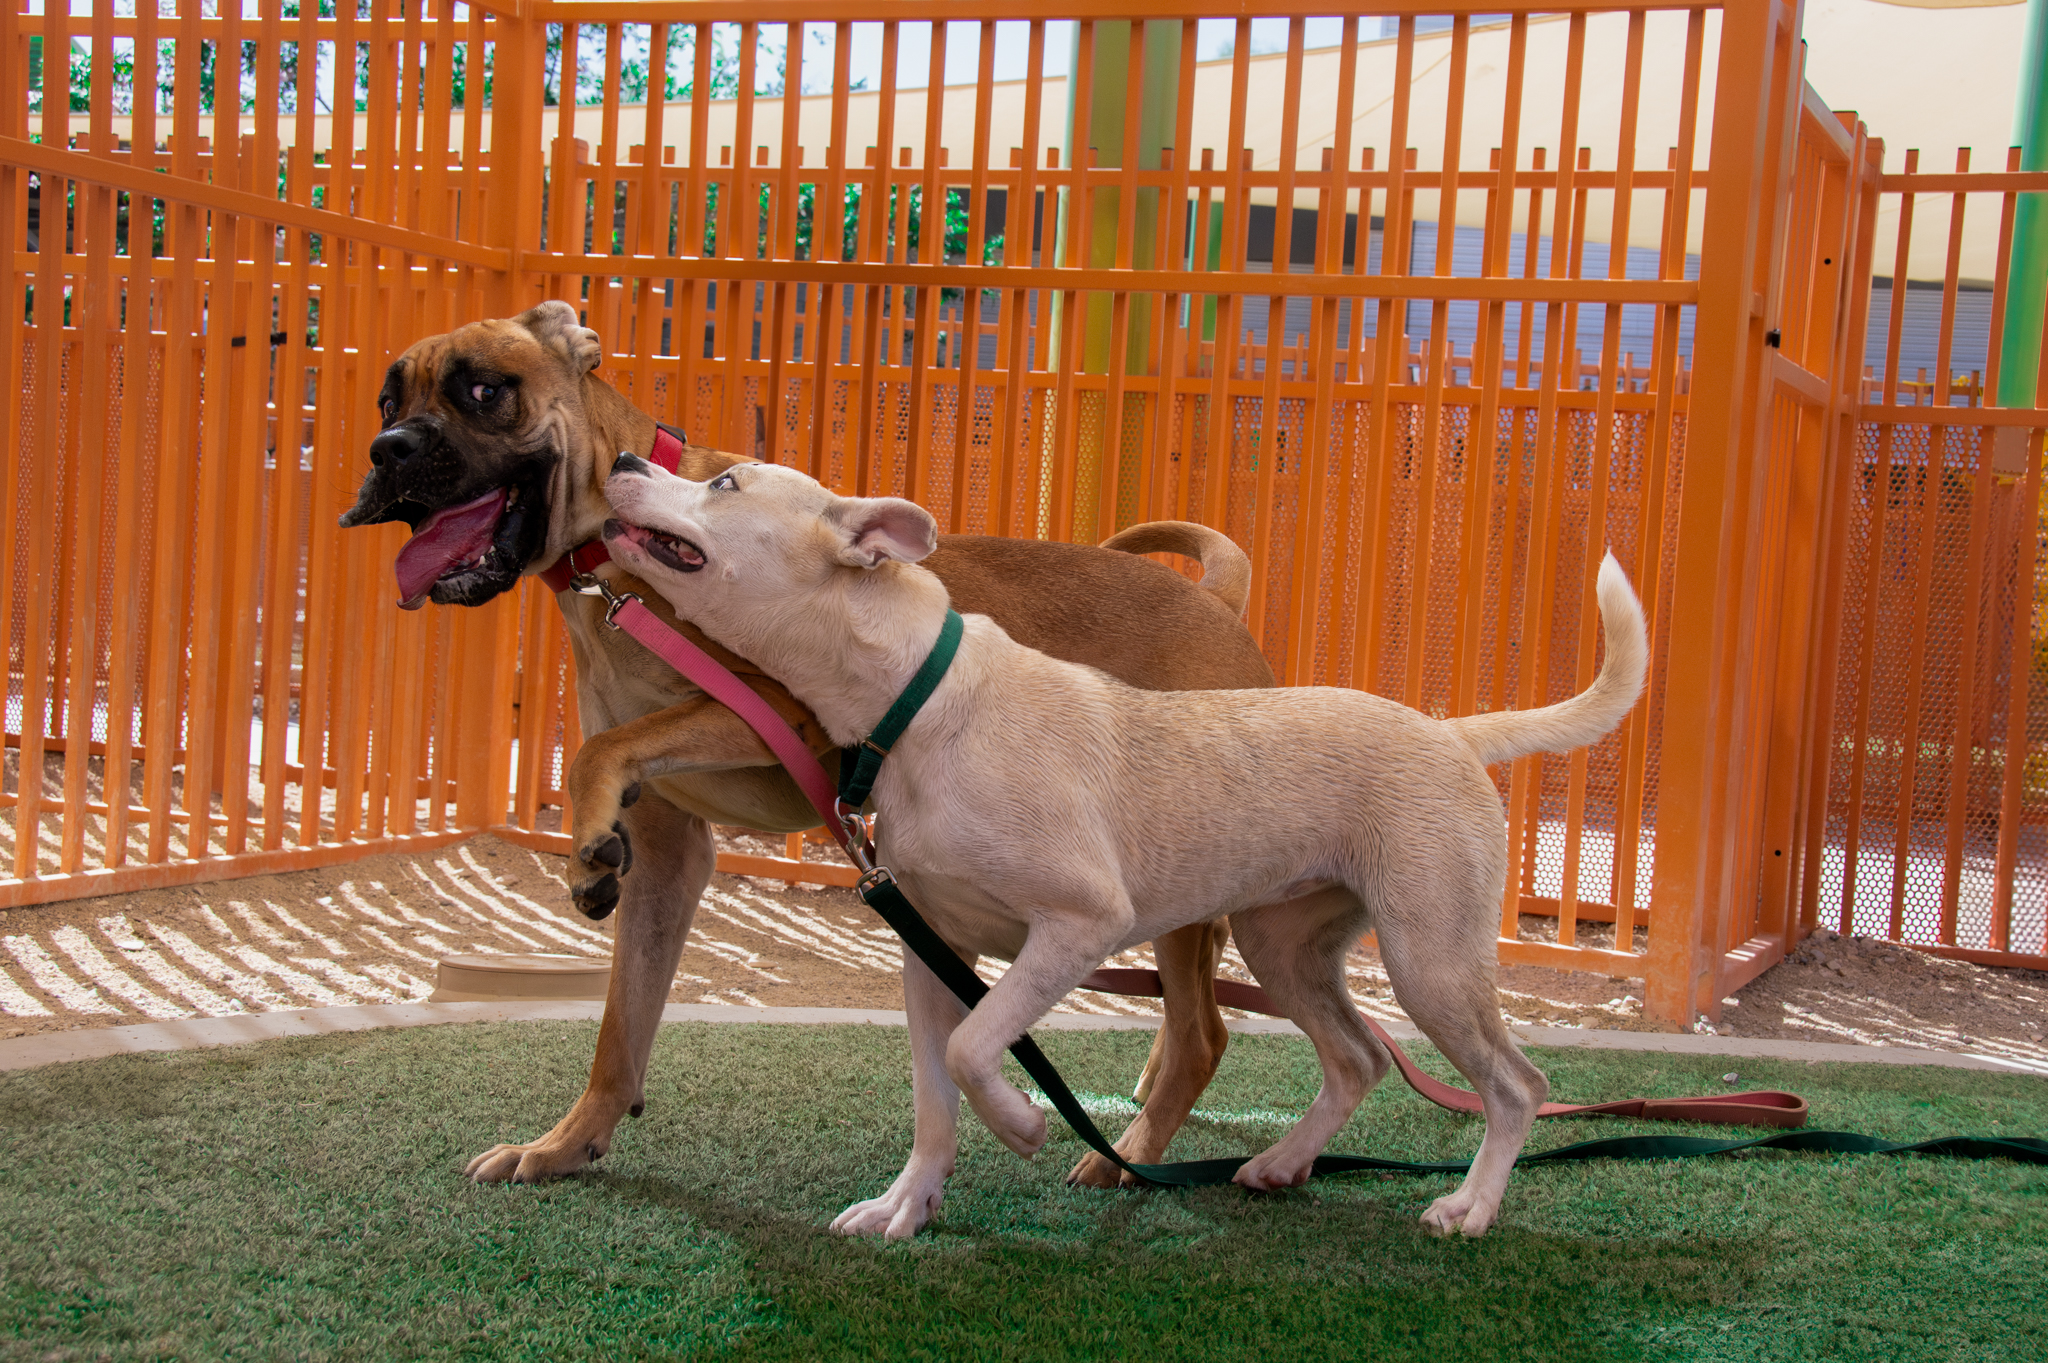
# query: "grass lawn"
{"points": [[304, 1199]]}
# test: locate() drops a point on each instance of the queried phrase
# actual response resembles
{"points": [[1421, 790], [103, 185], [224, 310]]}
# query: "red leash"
{"points": [[1762, 1107], [586, 557], [627, 611]]}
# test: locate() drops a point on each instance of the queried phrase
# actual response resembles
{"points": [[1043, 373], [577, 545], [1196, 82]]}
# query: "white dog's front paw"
{"points": [[1464, 1212], [901, 1212]]}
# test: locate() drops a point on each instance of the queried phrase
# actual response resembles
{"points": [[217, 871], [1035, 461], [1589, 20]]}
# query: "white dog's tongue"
{"points": [[451, 536]]}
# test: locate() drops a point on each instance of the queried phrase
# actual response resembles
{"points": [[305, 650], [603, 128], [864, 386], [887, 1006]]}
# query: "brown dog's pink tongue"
{"points": [[451, 536]]}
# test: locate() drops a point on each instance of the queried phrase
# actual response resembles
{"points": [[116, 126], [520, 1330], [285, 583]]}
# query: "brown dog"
{"points": [[496, 443]]}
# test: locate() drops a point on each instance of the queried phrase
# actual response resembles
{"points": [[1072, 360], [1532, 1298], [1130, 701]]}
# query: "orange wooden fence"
{"points": [[1424, 322]]}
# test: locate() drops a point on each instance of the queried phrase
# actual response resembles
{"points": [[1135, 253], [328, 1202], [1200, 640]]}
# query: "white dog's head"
{"points": [[757, 539]]}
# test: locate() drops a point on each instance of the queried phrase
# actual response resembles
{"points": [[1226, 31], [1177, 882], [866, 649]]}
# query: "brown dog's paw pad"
{"points": [[606, 859], [595, 899], [614, 850]]}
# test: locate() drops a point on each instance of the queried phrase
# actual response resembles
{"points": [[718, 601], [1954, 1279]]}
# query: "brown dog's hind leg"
{"points": [[660, 900], [1185, 1052], [1297, 951]]}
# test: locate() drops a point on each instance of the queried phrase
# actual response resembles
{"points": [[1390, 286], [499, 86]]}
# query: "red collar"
{"points": [[585, 557]]}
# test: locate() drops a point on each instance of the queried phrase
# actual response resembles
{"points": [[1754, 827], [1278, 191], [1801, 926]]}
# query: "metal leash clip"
{"points": [[859, 847], [590, 584]]}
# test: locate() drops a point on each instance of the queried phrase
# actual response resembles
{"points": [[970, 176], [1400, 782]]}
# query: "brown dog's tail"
{"points": [[1226, 572], [1503, 735]]}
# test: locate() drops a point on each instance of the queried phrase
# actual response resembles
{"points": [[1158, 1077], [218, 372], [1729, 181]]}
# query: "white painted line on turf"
{"points": [[1765, 1048], [95, 1043]]}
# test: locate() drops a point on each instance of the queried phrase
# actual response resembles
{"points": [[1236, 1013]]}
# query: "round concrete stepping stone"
{"points": [[525, 975]]}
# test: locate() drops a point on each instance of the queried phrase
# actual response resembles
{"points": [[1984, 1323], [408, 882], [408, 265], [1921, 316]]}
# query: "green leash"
{"points": [[860, 764], [885, 897]]}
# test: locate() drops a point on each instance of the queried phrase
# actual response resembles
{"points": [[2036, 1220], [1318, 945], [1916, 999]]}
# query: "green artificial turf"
{"points": [[304, 1199]]}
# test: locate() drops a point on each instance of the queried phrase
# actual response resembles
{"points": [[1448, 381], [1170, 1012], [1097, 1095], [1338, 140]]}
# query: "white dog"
{"points": [[1041, 812]]}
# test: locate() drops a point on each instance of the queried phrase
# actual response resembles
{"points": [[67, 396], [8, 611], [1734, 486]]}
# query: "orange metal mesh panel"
{"points": [[1916, 828], [1653, 718], [1395, 516]]}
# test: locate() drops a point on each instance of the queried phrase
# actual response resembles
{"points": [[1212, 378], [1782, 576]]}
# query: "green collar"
{"points": [[860, 764]]}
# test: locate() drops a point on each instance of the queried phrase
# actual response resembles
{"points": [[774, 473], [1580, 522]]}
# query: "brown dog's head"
{"points": [[486, 430]]}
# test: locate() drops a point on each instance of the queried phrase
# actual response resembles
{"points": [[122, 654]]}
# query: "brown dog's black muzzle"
{"points": [[397, 446], [414, 472]]}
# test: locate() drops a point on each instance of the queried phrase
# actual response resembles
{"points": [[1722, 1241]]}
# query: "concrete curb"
{"points": [[54, 1048]]}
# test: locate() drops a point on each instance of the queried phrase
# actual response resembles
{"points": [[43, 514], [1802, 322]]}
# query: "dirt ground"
{"points": [[371, 931]]}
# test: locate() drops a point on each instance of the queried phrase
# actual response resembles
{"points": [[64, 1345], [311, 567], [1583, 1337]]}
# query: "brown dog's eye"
{"points": [[482, 393], [389, 407]]}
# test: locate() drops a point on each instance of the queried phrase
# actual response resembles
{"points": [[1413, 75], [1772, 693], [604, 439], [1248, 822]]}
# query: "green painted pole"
{"points": [[2019, 354], [1104, 136], [1158, 100]]}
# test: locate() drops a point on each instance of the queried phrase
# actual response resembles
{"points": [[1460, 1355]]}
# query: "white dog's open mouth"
{"points": [[672, 551]]}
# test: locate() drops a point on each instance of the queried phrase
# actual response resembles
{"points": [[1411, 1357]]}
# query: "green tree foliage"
{"points": [[635, 66]]}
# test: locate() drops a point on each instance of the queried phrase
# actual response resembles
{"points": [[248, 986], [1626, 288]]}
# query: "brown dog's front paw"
{"points": [[596, 896], [612, 851], [534, 1163], [604, 859], [1096, 1172]]}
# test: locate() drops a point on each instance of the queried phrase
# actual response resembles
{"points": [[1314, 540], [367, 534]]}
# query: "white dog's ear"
{"points": [[873, 530], [557, 327]]}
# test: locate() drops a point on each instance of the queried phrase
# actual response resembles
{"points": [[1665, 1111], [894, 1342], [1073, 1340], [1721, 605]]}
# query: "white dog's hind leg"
{"points": [[1460, 1012], [902, 1211], [1297, 952]]}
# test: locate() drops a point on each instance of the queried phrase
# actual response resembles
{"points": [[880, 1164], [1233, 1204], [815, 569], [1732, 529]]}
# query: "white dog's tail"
{"points": [[1503, 735]]}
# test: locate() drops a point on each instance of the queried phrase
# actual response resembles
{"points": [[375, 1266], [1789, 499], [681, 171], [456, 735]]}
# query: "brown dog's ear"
{"points": [[557, 327], [875, 530]]}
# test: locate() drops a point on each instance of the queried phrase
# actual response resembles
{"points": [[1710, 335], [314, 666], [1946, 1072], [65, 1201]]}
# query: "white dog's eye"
{"points": [[725, 482], [482, 393]]}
